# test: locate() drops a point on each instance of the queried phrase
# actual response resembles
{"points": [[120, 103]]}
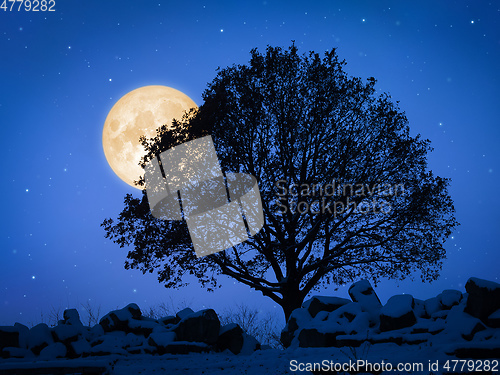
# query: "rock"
{"points": [[362, 292], [250, 344], [9, 337], [449, 298], [441, 314], [11, 352], [93, 333], [419, 309], [80, 348], [432, 306], [312, 338], [184, 313], [142, 349], [162, 339], [71, 317], [110, 343], [462, 325], [118, 320], [23, 335], [345, 314], [397, 313], [39, 337], [230, 337], [133, 340], [494, 319], [298, 318], [483, 298], [202, 326], [143, 326], [67, 333], [170, 319], [53, 351], [320, 303], [16, 336]]}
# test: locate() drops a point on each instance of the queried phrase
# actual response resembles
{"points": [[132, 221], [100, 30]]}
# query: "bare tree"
{"points": [[93, 313]]}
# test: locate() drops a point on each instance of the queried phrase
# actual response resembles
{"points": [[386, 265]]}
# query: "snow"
{"points": [[261, 362], [74, 363]]}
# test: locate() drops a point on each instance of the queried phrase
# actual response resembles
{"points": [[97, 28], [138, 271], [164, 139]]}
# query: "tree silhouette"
{"points": [[345, 188]]}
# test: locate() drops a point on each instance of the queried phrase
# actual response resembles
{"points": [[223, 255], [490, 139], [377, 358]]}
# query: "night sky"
{"points": [[61, 72]]}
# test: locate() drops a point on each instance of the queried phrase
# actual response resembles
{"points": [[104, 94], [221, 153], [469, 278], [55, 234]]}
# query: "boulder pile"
{"points": [[124, 332], [466, 325]]}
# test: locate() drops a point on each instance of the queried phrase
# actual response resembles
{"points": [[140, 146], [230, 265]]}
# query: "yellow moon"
{"points": [[140, 112]]}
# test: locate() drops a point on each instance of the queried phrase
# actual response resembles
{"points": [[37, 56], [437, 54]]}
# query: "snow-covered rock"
{"points": [[162, 339], [494, 319], [449, 298], [397, 313], [230, 338], [250, 344], [483, 298], [184, 313], [94, 332], [71, 317], [298, 318], [462, 325], [118, 320], [80, 348], [53, 351], [169, 320], [202, 326], [16, 336], [66, 333], [362, 292], [432, 305], [11, 352], [39, 337], [321, 303]]}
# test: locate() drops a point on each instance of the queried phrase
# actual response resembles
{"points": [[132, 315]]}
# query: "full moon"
{"points": [[140, 112]]}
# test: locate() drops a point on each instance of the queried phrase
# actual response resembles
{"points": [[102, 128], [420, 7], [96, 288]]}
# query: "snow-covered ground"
{"points": [[271, 361]]}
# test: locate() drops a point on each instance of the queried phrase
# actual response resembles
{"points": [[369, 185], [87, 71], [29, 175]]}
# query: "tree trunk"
{"points": [[292, 299]]}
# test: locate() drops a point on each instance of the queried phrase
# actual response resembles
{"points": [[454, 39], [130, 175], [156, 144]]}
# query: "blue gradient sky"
{"points": [[61, 72]]}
